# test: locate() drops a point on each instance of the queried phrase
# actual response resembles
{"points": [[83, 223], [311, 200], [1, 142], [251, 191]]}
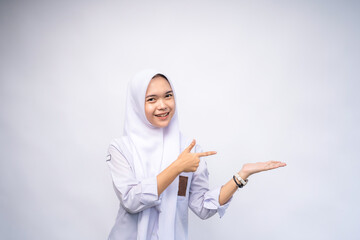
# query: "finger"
{"points": [[190, 147], [277, 165], [205, 154], [273, 161]]}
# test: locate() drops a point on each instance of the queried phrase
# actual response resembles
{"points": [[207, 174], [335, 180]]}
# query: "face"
{"points": [[159, 102]]}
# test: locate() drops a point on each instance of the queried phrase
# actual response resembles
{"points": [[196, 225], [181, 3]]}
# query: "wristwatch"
{"points": [[242, 181]]}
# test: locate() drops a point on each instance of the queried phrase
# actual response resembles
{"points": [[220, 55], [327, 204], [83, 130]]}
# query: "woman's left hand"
{"points": [[251, 168]]}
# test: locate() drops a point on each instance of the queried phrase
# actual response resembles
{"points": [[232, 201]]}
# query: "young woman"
{"points": [[157, 173]]}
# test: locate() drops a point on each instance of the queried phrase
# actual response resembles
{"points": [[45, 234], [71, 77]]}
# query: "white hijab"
{"points": [[151, 150]]}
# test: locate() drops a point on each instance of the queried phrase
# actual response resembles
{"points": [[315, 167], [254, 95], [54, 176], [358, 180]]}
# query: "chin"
{"points": [[162, 125]]}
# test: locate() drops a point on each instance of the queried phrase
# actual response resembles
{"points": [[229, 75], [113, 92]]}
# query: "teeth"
{"points": [[163, 115]]}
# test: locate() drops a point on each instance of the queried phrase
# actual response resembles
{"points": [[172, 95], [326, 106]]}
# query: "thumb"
{"points": [[190, 147]]}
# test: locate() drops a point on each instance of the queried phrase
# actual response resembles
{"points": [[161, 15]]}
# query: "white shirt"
{"points": [[136, 196]]}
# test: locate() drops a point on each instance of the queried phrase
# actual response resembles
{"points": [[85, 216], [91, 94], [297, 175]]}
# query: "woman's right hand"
{"points": [[188, 161]]}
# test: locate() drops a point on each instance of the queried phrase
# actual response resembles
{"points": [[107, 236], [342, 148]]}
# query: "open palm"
{"points": [[251, 168]]}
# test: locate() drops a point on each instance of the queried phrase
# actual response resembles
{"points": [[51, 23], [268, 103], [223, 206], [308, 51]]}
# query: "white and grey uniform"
{"points": [[135, 160], [135, 196]]}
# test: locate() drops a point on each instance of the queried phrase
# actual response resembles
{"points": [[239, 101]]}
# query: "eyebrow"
{"points": [[153, 95]]}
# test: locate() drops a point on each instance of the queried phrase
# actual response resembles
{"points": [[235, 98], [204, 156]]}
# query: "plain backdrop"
{"points": [[255, 80]]}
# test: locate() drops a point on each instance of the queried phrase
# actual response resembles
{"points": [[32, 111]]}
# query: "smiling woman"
{"points": [[159, 101], [158, 173]]}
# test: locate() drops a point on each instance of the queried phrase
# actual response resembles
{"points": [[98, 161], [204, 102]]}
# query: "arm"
{"points": [[186, 162], [202, 201], [248, 169], [134, 195]]}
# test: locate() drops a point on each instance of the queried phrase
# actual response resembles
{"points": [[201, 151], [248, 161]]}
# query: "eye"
{"points": [[169, 95], [150, 100]]}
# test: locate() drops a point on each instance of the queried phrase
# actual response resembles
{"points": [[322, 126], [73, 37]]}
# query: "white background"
{"points": [[255, 80]]}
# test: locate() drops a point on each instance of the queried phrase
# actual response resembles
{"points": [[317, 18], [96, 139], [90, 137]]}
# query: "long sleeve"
{"points": [[202, 201], [134, 195]]}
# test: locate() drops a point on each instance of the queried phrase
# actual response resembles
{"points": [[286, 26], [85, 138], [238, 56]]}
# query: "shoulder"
{"points": [[121, 144], [119, 151]]}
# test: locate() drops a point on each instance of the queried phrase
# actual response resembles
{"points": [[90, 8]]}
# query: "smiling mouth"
{"points": [[162, 115]]}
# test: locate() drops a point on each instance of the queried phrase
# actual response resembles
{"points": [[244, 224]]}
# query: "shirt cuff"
{"points": [[211, 201], [149, 194]]}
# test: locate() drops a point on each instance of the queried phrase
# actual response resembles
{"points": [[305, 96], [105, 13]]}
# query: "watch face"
{"points": [[236, 182]]}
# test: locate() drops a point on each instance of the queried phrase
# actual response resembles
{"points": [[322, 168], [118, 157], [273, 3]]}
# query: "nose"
{"points": [[162, 105]]}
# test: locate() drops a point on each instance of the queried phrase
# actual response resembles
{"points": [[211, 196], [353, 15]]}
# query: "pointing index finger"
{"points": [[205, 154]]}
